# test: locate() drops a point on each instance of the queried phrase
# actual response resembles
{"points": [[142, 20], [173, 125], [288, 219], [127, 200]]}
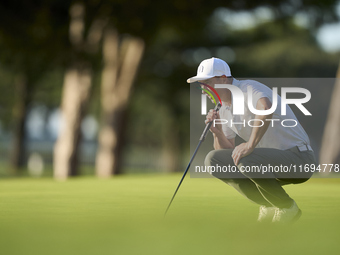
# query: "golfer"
{"points": [[270, 152]]}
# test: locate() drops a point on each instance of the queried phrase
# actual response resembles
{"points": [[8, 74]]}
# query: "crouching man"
{"points": [[267, 146]]}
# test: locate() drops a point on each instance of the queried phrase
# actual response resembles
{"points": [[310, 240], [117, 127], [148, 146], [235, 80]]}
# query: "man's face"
{"points": [[210, 82]]}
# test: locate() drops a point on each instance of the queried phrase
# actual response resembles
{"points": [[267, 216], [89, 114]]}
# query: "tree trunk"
{"points": [[330, 148], [19, 113], [171, 145], [76, 90], [121, 64]]}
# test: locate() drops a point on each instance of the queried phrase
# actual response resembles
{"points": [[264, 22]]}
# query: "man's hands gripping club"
{"points": [[211, 116]]}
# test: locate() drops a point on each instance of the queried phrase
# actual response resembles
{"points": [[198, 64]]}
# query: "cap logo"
{"points": [[201, 69]]}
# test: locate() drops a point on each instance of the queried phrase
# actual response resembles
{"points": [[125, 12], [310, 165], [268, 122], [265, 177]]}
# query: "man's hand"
{"points": [[211, 116], [240, 151]]}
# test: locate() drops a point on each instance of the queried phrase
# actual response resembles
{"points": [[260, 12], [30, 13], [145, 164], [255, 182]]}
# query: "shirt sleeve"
{"points": [[257, 94]]}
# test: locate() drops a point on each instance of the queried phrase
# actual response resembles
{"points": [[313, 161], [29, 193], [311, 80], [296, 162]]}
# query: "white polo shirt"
{"points": [[277, 135]]}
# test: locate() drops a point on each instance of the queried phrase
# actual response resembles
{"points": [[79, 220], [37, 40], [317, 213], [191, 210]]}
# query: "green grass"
{"points": [[124, 215]]}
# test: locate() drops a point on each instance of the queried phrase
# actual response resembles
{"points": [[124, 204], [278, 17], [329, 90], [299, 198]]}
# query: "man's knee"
{"points": [[220, 157], [222, 163], [210, 158], [245, 161]]}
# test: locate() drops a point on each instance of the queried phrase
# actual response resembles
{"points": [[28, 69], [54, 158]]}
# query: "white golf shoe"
{"points": [[266, 213], [287, 215]]}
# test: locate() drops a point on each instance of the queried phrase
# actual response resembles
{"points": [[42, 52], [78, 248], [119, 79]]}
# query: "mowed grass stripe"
{"points": [[124, 215]]}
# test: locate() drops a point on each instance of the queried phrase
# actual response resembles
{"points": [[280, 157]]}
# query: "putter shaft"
{"points": [[202, 138]]}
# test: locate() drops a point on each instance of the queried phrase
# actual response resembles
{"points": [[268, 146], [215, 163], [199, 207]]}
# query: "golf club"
{"points": [[204, 134]]}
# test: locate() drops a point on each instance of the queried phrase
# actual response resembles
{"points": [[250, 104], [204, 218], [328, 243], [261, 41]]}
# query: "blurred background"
{"points": [[98, 87]]}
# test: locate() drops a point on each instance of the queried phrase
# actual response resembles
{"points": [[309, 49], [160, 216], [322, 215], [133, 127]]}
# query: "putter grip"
{"points": [[207, 127]]}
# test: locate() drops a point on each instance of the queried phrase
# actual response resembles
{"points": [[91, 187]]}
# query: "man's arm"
{"points": [[257, 133], [220, 140]]}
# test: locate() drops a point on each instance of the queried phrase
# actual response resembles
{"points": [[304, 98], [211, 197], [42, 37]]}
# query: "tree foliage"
{"points": [[34, 41]]}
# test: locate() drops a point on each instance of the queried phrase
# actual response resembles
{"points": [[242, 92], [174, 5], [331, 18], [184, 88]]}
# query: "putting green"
{"points": [[124, 215]]}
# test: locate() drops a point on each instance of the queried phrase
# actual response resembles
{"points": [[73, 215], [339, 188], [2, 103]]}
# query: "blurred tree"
{"points": [[330, 150], [76, 89], [120, 68]]}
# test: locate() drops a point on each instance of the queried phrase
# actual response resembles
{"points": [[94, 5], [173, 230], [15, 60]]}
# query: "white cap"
{"points": [[210, 68]]}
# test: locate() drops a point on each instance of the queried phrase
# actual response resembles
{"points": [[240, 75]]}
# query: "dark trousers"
{"points": [[263, 187]]}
